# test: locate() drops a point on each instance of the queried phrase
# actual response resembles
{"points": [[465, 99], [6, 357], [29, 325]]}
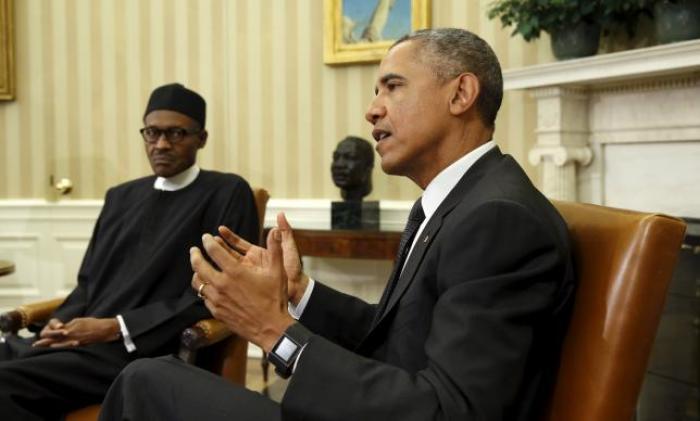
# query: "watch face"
{"points": [[285, 349]]}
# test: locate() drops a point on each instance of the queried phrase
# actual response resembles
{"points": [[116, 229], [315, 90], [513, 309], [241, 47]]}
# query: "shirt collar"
{"points": [[438, 189], [178, 181]]}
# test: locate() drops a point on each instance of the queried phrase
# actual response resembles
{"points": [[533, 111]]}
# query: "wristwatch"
{"points": [[287, 348]]}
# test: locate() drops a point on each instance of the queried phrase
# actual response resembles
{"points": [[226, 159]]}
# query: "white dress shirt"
{"points": [[443, 183]]}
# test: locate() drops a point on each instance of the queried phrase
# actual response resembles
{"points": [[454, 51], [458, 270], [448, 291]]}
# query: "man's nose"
{"points": [[375, 111], [162, 142]]}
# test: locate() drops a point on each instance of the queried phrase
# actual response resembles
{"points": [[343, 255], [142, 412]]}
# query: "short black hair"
{"points": [[452, 51]]}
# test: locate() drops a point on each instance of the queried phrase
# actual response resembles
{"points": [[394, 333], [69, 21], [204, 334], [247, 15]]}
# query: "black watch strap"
{"points": [[287, 348]]}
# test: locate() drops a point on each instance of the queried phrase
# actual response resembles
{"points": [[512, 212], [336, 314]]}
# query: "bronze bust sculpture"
{"points": [[353, 160]]}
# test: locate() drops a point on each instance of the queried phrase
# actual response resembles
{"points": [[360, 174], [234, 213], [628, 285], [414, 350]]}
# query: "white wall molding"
{"points": [[674, 58], [316, 213], [302, 213], [650, 85], [44, 210]]}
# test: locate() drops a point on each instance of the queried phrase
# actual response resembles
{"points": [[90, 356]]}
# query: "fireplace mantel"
{"points": [[670, 59], [620, 129]]}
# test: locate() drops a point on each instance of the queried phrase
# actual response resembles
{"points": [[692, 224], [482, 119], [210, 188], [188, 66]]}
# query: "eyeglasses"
{"points": [[173, 135]]}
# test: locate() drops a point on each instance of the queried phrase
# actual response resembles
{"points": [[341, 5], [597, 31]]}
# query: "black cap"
{"points": [[175, 97]]}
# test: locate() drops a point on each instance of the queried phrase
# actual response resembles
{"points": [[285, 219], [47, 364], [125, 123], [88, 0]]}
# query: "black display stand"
{"points": [[355, 215]]}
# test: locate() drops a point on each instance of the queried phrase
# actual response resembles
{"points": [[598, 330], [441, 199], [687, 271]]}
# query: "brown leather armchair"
{"points": [[624, 262], [208, 343]]}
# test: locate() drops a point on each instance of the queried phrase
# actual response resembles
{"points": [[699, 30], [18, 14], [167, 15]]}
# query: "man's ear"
{"points": [[203, 135], [465, 92]]}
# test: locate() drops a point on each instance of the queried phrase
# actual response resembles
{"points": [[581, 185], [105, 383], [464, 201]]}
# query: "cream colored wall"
{"points": [[85, 69]]}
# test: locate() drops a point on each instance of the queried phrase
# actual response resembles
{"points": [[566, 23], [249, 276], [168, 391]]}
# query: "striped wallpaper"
{"points": [[85, 69]]}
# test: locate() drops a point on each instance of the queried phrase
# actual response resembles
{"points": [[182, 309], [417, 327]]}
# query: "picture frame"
{"points": [[7, 58], [361, 31]]}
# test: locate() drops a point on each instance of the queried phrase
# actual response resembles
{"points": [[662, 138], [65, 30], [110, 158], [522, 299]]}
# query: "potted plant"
{"points": [[676, 20], [574, 25]]}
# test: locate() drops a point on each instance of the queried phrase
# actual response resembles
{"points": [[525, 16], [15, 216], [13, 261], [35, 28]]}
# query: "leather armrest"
{"points": [[204, 333], [27, 314]]}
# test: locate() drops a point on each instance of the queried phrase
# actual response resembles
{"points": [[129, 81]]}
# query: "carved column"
{"points": [[562, 139]]}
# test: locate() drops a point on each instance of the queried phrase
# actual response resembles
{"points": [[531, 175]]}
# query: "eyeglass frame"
{"points": [[168, 133]]}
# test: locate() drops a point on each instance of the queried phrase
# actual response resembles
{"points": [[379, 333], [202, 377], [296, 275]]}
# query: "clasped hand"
{"points": [[79, 331], [250, 290]]}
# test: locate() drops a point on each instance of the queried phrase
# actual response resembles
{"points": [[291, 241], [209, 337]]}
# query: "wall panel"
{"points": [[85, 69]]}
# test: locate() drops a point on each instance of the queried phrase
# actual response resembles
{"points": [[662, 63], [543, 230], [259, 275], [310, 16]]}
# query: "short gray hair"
{"points": [[452, 51]]}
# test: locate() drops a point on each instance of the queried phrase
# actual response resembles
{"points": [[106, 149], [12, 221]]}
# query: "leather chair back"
{"points": [[624, 262]]}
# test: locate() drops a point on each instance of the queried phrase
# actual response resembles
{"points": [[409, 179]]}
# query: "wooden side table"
{"points": [[380, 245]]}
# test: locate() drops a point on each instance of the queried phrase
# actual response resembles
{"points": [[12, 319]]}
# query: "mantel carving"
{"points": [[561, 155], [612, 98]]}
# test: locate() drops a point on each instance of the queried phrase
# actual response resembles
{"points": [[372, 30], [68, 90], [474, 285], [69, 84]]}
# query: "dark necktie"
{"points": [[415, 218]]}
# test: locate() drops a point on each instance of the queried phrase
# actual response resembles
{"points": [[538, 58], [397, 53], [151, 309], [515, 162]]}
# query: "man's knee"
{"points": [[142, 372]]}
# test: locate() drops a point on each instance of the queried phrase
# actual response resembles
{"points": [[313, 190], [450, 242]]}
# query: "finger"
{"points": [[65, 344], [274, 247], [55, 324], [211, 307], [54, 334], [208, 277], [205, 272], [289, 246], [218, 254], [43, 342], [233, 240], [204, 291], [195, 283], [235, 254], [282, 222], [287, 232]]}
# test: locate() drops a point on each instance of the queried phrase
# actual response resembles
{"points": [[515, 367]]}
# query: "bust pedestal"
{"points": [[355, 215]]}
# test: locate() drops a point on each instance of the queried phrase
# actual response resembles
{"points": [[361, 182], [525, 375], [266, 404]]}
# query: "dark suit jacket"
{"points": [[472, 330], [137, 262]]}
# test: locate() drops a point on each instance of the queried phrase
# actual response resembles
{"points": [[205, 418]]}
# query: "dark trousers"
{"points": [[42, 384], [170, 390]]}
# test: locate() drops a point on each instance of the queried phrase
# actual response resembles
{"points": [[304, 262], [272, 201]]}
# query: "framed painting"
{"points": [[7, 61], [360, 31]]}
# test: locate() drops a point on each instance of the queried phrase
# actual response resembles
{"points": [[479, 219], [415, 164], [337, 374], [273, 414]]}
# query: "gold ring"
{"points": [[200, 289]]}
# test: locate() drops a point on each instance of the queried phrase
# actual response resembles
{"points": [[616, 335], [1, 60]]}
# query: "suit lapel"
{"points": [[413, 261], [465, 184]]}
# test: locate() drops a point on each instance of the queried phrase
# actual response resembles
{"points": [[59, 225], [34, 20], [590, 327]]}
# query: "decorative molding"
{"points": [[316, 213], [674, 58], [561, 155], [648, 135], [43, 210], [558, 91], [661, 84], [19, 293], [301, 213], [23, 249], [71, 237]]}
